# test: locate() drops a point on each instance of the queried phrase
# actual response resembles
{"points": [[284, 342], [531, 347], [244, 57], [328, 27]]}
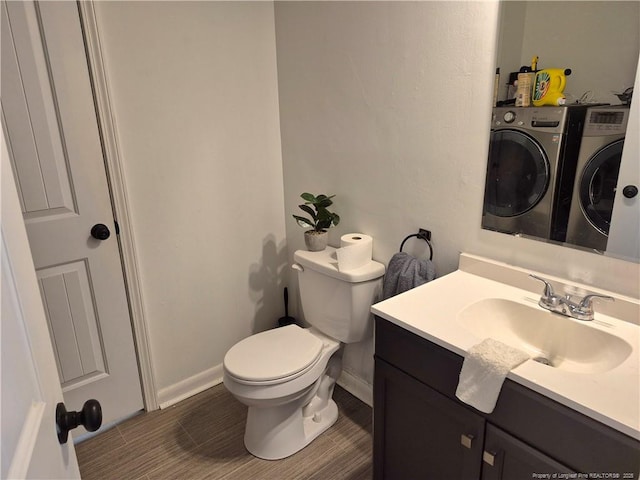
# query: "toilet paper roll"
{"points": [[356, 250]]}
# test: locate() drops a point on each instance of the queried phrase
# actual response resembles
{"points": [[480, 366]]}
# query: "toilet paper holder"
{"points": [[424, 235]]}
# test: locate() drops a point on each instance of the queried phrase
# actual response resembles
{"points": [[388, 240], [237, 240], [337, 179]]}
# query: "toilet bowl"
{"points": [[286, 376], [279, 392]]}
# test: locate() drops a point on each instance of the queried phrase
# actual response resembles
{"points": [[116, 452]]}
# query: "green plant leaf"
{"points": [[323, 224], [323, 214], [327, 220], [322, 201], [304, 222], [322, 218], [309, 210]]}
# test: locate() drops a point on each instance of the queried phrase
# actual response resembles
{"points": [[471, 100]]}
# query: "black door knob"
{"points": [[630, 191], [90, 417], [100, 231]]}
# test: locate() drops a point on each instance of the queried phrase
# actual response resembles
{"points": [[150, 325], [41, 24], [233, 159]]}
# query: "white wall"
{"points": [[388, 105], [194, 91], [597, 40], [511, 25]]}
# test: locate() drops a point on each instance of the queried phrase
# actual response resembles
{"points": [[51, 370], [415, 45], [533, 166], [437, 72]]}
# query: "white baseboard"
{"points": [[356, 387], [190, 386], [201, 381]]}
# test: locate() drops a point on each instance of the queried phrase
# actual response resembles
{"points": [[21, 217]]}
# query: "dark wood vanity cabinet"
{"points": [[506, 457], [422, 431]]}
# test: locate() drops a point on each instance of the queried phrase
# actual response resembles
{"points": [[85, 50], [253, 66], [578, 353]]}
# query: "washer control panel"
{"points": [[603, 121], [545, 119], [509, 116]]}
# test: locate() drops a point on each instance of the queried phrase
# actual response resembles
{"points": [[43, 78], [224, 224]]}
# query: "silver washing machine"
{"points": [[531, 170], [597, 176]]}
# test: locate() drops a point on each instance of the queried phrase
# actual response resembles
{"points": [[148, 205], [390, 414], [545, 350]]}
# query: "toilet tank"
{"points": [[338, 303]]}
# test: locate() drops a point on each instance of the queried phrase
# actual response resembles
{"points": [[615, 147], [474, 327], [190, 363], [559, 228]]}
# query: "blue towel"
{"points": [[406, 272]]}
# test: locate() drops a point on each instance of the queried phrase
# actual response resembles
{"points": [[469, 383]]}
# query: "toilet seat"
{"points": [[274, 356]]}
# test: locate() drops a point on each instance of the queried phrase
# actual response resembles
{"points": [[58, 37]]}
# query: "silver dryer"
{"points": [[597, 176]]}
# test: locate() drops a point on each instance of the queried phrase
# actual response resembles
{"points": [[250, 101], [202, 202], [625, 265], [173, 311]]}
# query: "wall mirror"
{"points": [[553, 171]]}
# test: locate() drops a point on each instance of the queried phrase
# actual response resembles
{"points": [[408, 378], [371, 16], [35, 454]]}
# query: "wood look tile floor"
{"points": [[202, 438]]}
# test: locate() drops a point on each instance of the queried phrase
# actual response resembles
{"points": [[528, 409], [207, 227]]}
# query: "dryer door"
{"points": [[598, 186], [517, 173]]}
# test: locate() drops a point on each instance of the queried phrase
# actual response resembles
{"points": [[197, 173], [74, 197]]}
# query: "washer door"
{"points": [[598, 186], [517, 174]]}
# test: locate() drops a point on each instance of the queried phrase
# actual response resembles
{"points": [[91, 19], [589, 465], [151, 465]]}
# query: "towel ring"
{"points": [[424, 235]]}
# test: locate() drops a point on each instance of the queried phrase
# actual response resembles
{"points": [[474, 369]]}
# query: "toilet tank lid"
{"points": [[326, 262]]}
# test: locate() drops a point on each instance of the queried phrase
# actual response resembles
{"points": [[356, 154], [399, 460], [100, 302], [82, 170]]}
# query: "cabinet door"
{"points": [[506, 457], [421, 434]]}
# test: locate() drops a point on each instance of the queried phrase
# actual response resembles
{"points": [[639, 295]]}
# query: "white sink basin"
{"points": [[550, 338], [594, 366]]}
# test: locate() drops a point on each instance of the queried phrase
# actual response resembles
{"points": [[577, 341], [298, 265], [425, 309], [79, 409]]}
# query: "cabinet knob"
{"points": [[488, 457], [466, 439]]}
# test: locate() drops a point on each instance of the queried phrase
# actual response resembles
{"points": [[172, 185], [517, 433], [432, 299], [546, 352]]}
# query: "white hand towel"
{"points": [[483, 372]]}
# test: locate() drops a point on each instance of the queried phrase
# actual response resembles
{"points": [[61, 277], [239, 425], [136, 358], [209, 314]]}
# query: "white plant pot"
{"points": [[316, 241]]}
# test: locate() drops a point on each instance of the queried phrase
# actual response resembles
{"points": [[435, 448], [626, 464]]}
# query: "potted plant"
{"points": [[321, 220]]}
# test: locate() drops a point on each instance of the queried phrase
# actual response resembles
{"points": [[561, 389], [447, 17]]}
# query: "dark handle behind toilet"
{"points": [[286, 320]]}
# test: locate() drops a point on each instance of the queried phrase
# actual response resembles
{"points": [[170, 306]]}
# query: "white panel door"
{"points": [[30, 384], [56, 152], [624, 240]]}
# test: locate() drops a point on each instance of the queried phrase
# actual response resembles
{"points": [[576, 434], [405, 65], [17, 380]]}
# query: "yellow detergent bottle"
{"points": [[549, 85]]}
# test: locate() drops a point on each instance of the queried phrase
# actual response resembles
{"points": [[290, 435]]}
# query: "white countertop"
{"points": [[430, 311]]}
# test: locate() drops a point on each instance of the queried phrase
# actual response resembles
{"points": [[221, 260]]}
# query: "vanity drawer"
{"points": [[565, 434], [416, 356], [570, 437]]}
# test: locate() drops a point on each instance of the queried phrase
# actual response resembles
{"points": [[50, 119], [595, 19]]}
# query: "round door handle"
{"points": [[100, 231], [90, 417], [630, 191]]}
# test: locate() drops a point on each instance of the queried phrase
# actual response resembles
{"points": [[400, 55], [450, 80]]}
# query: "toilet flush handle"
{"points": [[297, 266]]}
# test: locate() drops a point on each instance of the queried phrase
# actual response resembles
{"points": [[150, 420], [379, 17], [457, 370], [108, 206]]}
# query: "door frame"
{"points": [[120, 202]]}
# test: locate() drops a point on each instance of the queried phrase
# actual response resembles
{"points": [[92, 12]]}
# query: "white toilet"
{"points": [[286, 375]]}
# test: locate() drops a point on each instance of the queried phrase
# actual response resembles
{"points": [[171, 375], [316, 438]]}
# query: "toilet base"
{"points": [[278, 432]]}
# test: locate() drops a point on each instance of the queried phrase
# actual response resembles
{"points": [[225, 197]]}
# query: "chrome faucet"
{"points": [[580, 310]]}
